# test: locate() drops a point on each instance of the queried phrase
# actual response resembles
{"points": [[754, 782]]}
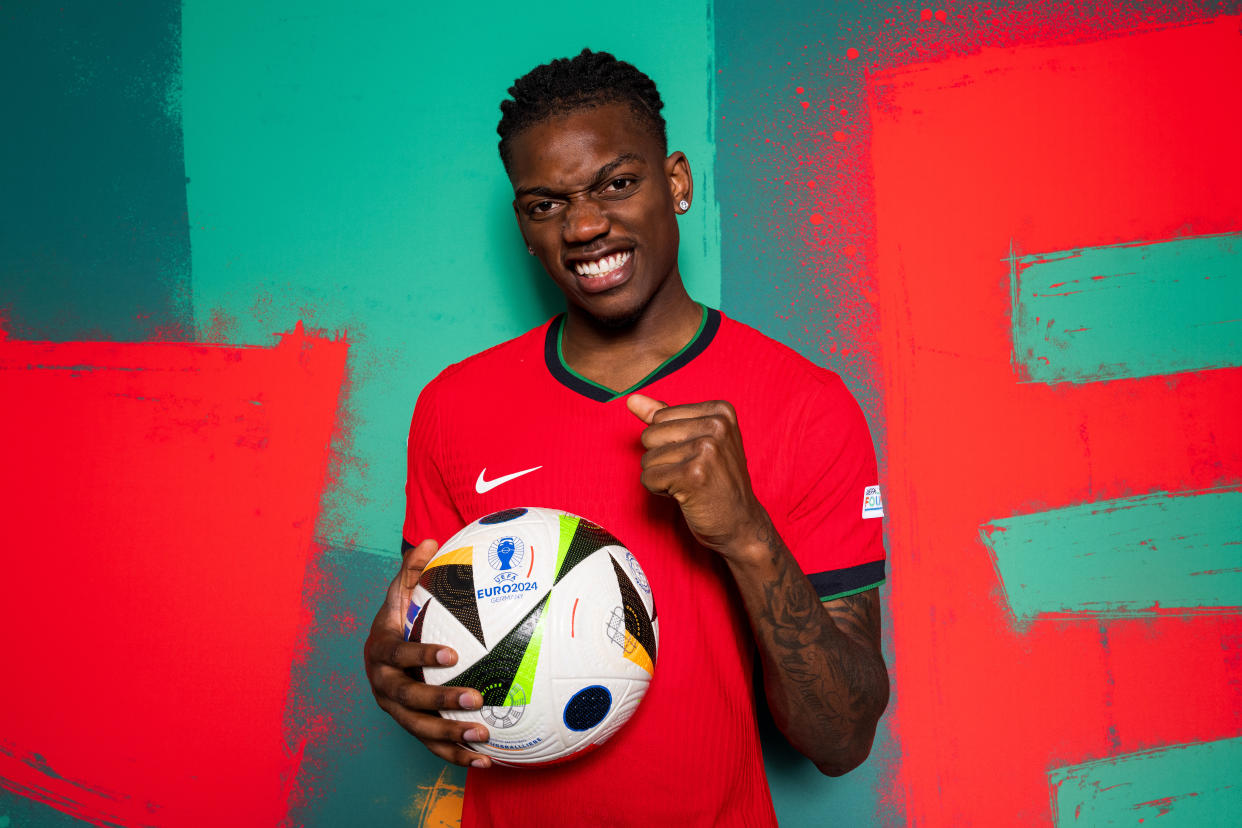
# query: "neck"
{"points": [[617, 357]]}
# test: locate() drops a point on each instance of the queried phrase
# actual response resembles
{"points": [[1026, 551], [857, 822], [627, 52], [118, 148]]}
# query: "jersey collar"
{"points": [[574, 381]]}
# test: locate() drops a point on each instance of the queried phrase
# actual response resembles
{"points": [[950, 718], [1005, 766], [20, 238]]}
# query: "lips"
{"points": [[604, 272]]}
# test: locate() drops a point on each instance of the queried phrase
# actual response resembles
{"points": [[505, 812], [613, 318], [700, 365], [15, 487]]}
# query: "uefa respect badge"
{"points": [[873, 505]]}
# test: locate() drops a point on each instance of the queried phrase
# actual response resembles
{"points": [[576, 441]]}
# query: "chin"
{"points": [[621, 318], [622, 321]]}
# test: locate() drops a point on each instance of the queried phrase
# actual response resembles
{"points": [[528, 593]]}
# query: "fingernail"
{"points": [[479, 763], [473, 735], [443, 656], [466, 701]]}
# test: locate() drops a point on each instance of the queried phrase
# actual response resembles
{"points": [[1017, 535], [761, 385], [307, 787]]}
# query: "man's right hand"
{"points": [[413, 704]]}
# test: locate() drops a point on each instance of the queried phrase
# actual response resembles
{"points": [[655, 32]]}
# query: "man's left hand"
{"points": [[694, 455]]}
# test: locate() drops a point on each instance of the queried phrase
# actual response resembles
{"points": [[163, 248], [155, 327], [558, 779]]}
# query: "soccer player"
{"points": [[741, 475]]}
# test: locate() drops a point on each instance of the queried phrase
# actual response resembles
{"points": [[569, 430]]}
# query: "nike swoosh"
{"points": [[483, 486]]}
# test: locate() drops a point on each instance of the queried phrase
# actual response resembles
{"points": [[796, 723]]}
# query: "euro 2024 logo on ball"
{"points": [[506, 555]]}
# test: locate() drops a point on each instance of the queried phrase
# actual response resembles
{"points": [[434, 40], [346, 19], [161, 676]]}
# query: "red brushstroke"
{"points": [[572, 617], [1052, 148], [828, 144], [158, 502]]}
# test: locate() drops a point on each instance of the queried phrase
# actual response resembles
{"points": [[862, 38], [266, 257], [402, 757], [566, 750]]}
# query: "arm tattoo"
{"points": [[823, 669]]}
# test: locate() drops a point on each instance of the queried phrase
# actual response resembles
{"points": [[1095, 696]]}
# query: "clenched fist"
{"points": [[694, 454]]}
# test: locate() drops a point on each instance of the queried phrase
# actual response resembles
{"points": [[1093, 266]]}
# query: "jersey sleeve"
{"points": [[834, 527], [429, 508]]}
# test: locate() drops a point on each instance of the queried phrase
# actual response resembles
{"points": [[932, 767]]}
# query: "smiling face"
{"points": [[594, 199]]}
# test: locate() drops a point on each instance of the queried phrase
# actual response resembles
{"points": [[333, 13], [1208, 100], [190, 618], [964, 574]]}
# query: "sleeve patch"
{"points": [[873, 505]]}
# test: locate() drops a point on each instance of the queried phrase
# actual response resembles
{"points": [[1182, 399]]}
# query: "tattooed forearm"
{"points": [[824, 675]]}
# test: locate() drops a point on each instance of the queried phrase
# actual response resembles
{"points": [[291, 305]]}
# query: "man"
{"points": [[630, 409]]}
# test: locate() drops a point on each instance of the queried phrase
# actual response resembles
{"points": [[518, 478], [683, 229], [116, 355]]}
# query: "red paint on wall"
{"points": [[829, 145], [158, 503], [1044, 148]]}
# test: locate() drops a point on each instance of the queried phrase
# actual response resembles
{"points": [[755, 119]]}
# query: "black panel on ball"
{"points": [[588, 537], [637, 623], [503, 516], [453, 586], [493, 674]]}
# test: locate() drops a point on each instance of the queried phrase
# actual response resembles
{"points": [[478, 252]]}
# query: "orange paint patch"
{"points": [[438, 805]]}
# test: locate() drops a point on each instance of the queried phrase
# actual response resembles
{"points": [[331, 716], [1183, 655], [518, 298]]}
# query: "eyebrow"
{"points": [[600, 175]]}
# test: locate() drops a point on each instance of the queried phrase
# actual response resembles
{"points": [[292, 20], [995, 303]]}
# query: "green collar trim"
{"points": [[555, 356]]}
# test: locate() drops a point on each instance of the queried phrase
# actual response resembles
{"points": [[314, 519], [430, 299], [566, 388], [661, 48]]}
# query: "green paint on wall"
{"points": [[343, 169], [93, 236], [358, 767], [1131, 556], [24, 812], [806, 296], [1130, 310], [1193, 785]]}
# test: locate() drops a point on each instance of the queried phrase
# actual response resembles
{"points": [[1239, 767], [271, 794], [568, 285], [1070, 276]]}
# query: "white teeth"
{"points": [[599, 267]]}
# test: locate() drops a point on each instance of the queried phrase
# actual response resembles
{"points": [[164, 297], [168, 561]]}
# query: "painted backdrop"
{"points": [[238, 238]]}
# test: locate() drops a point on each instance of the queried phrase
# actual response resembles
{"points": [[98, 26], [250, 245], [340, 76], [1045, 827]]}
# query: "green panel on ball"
{"points": [[587, 538], [493, 675], [569, 525], [530, 659]]}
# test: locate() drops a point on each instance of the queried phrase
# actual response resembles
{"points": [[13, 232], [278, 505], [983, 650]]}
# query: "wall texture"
{"points": [[238, 238]]}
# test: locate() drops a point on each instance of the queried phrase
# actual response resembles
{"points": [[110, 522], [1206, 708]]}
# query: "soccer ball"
{"points": [[554, 624]]}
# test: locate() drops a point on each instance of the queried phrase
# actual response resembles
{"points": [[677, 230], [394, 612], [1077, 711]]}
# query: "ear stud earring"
{"points": [[683, 205], [530, 250]]}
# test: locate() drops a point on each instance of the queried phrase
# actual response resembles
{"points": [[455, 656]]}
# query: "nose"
{"points": [[584, 221]]}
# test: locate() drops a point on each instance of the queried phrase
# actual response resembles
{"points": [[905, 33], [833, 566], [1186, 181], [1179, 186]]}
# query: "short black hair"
{"points": [[567, 84]]}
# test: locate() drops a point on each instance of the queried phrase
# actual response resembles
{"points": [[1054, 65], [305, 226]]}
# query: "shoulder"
{"points": [[492, 375], [779, 365], [488, 367], [794, 412]]}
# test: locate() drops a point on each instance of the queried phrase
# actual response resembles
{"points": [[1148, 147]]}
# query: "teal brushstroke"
{"points": [[23, 809], [1195, 785], [94, 242], [1129, 310], [343, 169], [363, 769], [1132, 556], [773, 281]]}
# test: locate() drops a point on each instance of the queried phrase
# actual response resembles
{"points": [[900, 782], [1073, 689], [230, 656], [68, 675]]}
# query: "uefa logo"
{"points": [[505, 555]]}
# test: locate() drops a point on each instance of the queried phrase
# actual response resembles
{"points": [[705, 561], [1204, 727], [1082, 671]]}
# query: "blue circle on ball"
{"points": [[588, 707]]}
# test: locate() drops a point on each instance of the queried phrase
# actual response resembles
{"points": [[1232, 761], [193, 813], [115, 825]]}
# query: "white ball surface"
{"points": [[553, 622]]}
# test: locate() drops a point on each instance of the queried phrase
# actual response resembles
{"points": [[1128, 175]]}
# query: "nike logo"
{"points": [[483, 486]]}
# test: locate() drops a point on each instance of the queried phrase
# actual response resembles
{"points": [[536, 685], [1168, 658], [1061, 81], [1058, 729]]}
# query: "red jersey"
{"points": [[515, 426]]}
